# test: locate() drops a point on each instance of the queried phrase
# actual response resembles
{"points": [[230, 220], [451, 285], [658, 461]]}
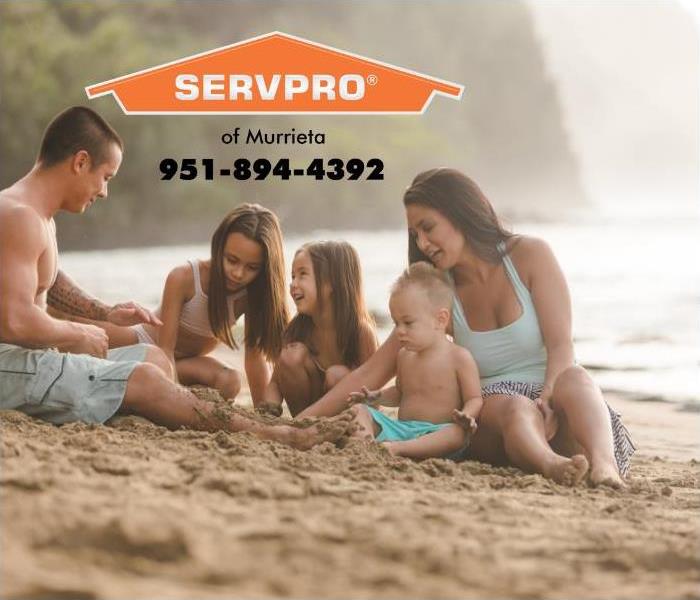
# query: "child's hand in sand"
{"points": [[273, 410], [365, 396], [465, 421]]}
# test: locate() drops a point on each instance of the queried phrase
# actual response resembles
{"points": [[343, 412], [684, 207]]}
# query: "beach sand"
{"points": [[132, 510]]}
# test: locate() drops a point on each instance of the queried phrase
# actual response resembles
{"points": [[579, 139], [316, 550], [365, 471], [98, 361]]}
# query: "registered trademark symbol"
{"points": [[372, 79]]}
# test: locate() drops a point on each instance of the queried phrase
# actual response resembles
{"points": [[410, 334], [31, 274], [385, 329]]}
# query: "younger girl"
{"points": [[203, 299], [332, 332]]}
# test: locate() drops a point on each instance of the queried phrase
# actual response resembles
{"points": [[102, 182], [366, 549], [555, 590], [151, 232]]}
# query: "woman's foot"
{"points": [[568, 471], [606, 474]]}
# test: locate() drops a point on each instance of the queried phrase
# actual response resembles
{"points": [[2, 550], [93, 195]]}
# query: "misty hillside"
{"points": [[506, 132]]}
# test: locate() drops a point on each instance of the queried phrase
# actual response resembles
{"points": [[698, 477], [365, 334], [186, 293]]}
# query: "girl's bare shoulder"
{"points": [[181, 279]]}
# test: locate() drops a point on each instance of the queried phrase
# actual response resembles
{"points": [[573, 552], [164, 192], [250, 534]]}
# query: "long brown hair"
{"points": [[459, 200], [266, 315], [337, 265]]}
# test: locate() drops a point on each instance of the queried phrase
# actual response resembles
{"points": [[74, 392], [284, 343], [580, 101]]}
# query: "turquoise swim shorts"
{"points": [[60, 387], [394, 430]]}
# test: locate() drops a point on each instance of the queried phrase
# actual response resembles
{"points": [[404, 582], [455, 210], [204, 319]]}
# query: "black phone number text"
{"points": [[243, 169]]}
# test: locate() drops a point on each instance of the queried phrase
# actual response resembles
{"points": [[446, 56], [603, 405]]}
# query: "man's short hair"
{"points": [[429, 279], [77, 128]]}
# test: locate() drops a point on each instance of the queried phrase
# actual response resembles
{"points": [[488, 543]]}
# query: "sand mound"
{"points": [[132, 510]]}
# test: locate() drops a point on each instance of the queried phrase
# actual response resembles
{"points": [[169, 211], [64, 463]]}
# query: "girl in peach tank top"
{"points": [[203, 299]]}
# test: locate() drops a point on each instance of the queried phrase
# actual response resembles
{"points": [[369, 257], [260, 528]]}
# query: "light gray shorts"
{"points": [[62, 387]]}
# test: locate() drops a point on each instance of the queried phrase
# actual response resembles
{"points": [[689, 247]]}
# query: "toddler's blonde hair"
{"points": [[432, 281]]}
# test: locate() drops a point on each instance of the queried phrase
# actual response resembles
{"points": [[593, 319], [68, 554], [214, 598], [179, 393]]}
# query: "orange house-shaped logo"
{"points": [[275, 74]]}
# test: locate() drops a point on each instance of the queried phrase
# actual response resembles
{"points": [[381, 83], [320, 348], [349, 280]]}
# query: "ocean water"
{"points": [[635, 288]]}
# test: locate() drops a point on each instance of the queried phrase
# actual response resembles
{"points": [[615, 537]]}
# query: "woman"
{"points": [[542, 412]]}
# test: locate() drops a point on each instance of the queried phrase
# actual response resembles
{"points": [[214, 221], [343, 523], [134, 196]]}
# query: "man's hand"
{"points": [[365, 396], [465, 422], [551, 423], [93, 341], [130, 313]]}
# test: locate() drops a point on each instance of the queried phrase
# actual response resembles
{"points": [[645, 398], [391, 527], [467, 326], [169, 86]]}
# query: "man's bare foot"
{"points": [[568, 471], [305, 422], [606, 474], [325, 430]]}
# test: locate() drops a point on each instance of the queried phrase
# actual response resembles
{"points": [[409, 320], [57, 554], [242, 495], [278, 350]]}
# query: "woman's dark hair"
{"points": [[459, 200], [337, 265], [266, 315]]}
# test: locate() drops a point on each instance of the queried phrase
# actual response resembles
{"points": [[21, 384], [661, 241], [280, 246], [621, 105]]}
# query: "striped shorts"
{"points": [[622, 441]]}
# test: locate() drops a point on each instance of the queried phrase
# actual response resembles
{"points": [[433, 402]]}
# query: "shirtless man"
{"points": [[437, 382], [62, 371]]}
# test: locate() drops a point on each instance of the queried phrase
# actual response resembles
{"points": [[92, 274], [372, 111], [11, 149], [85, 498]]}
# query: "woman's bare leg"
{"points": [[584, 424], [297, 377], [208, 371], [511, 430]]}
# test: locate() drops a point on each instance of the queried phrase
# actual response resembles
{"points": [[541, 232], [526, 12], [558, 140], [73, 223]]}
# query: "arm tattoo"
{"points": [[66, 296]]}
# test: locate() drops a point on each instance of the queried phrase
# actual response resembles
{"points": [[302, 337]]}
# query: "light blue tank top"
{"points": [[515, 352]]}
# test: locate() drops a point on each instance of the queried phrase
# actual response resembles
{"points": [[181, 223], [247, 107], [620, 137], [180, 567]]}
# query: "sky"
{"points": [[629, 82]]}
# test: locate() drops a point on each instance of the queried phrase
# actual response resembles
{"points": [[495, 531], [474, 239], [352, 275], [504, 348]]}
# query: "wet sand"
{"points": [[132, 510]]}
